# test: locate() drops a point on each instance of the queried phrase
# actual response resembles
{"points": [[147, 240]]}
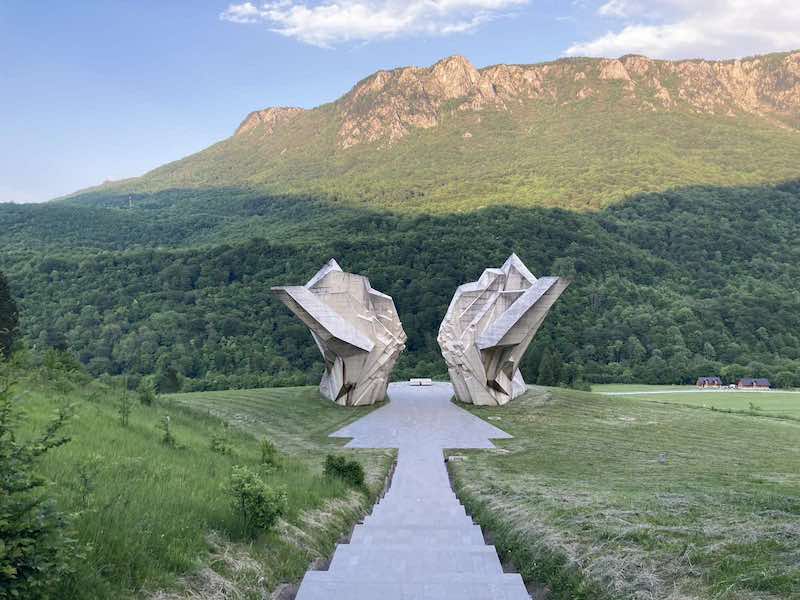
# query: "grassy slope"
{"points": [[146, 513], [583, 503], [581, 156], [297, 419]]}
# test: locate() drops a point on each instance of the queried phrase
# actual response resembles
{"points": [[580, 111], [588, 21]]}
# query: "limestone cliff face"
{"points": [[388, 105], [269, 118]]}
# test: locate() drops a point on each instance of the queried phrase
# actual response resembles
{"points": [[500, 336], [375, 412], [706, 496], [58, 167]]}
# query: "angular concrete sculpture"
{"points": [[488, 328], [356, 329]]}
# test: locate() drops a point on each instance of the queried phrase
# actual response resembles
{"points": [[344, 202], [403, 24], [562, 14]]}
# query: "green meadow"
{"points": [[783, 403], [638, 387], [155, 520], [618, 497]]}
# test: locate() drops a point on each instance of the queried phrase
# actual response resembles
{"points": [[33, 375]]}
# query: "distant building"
{"points": [[750, 383], [709, 382]]}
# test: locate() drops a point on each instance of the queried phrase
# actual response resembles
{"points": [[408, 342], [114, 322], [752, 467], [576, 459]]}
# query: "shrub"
{"points": [[167, 439], [35, 547], [147, 391], [220, 442], [269, 453], [259, 504], [125, 406], [786, 379], [350, 471]]}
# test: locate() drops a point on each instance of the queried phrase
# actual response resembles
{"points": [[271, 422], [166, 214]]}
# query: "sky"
{"points": [[109, 89]]}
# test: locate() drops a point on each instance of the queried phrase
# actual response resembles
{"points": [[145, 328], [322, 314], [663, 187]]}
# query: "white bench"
{"points": [[420, 381]]}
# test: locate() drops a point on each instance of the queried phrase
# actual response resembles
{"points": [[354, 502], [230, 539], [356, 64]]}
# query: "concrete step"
{"points": [[434, 512], [319, 585], [402, 563], [417, 520], [414, 497], [455, 536]]}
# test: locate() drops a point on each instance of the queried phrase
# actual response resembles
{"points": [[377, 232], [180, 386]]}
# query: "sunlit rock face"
{"points": [[356, 328], [488, 328]]}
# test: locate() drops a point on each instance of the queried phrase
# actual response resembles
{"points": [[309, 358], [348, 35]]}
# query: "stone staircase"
{"points": [[417, 544]]}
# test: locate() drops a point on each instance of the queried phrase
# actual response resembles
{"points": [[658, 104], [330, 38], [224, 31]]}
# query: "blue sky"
{"points": [[110, 89]]}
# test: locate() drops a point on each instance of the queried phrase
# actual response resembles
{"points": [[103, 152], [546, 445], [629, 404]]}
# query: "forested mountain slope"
{"points": [[667, 190], [575, 133], [667, 286]]}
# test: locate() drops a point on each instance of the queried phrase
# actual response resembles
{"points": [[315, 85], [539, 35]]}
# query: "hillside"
{"points": [[168, 273], [574, 133], [668, 286], [151, 519]]}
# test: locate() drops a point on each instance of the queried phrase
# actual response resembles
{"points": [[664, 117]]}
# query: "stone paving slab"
{"points": [[418, 543]]}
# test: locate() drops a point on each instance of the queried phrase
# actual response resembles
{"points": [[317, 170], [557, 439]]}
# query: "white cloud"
{"points": [[334, 22], [615, 8], [696, 28]]}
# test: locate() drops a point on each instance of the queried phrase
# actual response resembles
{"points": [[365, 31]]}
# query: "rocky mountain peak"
{"points": [[456, 76], [386, 106], [269, 118]]}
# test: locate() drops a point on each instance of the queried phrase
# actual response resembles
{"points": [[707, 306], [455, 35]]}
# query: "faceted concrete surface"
{"points": [[418, 543], [356, 329], [488, 327]]}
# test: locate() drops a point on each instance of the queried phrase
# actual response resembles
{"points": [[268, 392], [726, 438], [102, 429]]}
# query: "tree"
{"points": [[167, 380], [9, 318], [549, 368], [147, 391], [35, 548], [786, 379]]}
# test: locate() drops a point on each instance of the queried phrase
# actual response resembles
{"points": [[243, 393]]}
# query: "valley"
{"points": [[163, 435]]}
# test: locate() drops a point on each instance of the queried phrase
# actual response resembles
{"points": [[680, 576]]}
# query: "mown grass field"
{"points": [[298, 419], [154, 521], [773, 402], [638, 387], [604, 497]]}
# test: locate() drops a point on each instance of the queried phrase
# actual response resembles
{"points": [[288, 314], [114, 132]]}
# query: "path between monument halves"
{"points": [[418, 543]]}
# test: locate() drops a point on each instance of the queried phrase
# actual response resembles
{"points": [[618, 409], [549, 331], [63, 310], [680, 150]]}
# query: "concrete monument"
{"points": [[356, 329], [488, 327]]}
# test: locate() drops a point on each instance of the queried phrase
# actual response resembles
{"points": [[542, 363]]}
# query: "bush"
{"points": [[259, 504], [125, 406], [350, 471], [147, 391], [269, 453], [35, 548], [220, 442], [168, 439]]}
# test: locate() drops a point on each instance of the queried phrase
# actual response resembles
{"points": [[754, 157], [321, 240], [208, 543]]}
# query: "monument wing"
{"points": [[488, 327], [356, 329]]}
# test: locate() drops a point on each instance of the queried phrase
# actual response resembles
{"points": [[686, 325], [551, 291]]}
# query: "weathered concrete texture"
{"points": [[488, 327], [418, 543], [356, 328]]}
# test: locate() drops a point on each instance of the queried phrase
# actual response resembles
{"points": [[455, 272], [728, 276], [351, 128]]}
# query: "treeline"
{"points": [[668, 287], [9, 318]]}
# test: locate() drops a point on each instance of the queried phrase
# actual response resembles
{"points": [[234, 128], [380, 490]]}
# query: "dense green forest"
{"points": [[8, 318], [667, 287]]}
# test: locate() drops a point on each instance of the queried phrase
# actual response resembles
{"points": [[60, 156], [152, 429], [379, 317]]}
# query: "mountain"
{"points": [[574, 133], [668, 191]]}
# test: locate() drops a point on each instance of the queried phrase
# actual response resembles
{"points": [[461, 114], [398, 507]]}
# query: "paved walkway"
{"points": [[418, 543]]}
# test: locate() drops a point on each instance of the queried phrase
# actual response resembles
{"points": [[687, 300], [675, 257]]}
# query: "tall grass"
{"points": [[144, 511]]}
